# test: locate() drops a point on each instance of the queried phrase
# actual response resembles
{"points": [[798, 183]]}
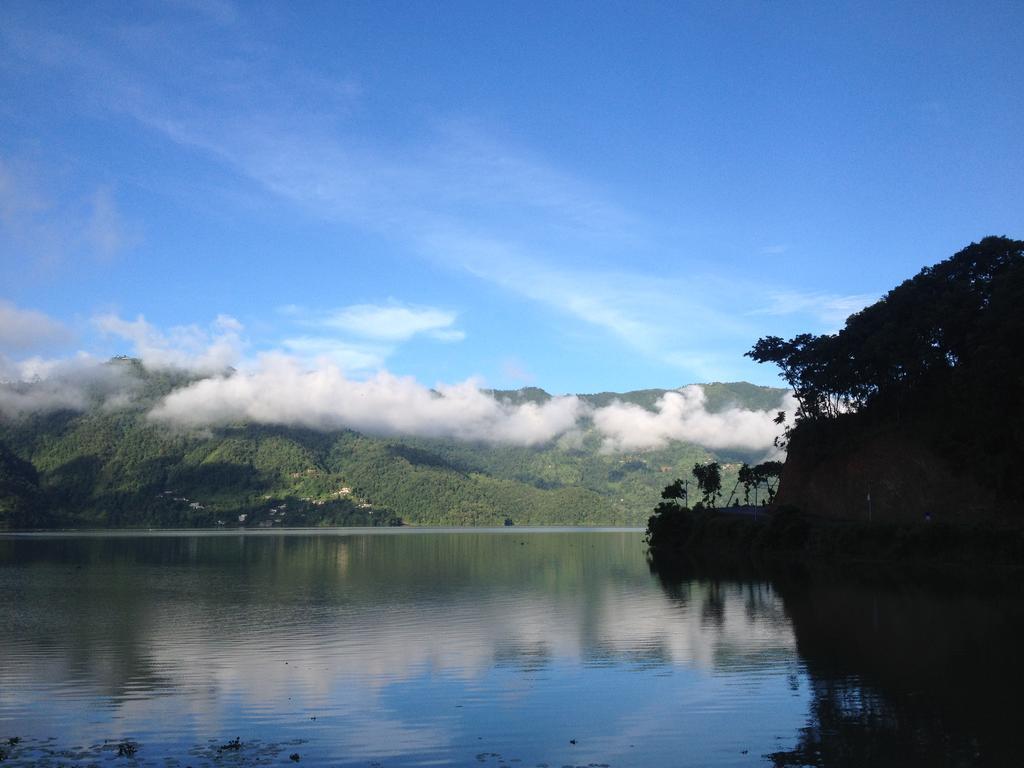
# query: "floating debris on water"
{"points": [[127, 749]]}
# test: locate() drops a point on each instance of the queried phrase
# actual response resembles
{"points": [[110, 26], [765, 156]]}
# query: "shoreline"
{"points": [[785, 534]]}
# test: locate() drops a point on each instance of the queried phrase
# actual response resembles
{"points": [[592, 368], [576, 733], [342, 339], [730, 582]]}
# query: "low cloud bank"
{"points": [[280, 391], [683, 415], [18, 400], [38, 385]]}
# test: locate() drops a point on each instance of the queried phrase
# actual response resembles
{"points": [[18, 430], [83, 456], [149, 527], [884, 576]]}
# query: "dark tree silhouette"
{"points": [[765, 475], [677, 490], [942, 354], [709, 482]]}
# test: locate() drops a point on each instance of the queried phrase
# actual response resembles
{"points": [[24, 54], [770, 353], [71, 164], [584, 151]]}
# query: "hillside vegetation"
{"points": [[114, 467]]}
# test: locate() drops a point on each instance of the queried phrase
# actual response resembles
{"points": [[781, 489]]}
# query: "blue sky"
{"points": [[579, 196]]}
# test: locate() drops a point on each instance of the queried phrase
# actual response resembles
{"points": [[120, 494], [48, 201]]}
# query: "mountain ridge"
{"points": [[113, 466]]}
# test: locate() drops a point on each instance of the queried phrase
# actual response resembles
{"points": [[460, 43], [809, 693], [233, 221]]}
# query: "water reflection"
{"points": [[902, 671], [409, 648]]}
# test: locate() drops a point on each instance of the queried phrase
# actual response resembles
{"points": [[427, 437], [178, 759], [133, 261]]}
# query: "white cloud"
{"points": [[394, 322], [189, 347], [829, 309], [683, 415], [280, 391], [24, 329]]}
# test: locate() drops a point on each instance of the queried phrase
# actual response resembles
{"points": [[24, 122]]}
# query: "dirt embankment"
{"points": [[833, 468]]}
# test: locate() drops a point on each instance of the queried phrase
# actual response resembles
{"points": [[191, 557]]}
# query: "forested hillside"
{"points": [[112, 466]]}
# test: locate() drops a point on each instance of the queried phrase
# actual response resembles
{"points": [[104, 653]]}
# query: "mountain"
{"points": [[112, 466]]}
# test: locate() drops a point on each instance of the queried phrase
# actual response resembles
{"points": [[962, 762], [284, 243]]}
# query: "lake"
{"points": [[507, 648]]}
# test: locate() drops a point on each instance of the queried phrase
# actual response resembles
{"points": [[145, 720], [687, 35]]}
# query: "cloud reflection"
{"points": [[389, 641]]}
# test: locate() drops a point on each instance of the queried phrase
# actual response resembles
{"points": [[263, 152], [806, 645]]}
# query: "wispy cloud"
{"points": [[663, 318], [348, 356], [361, 337], [828, 309], [49, 223], [453, 182], [105, 230], [394, 322], [458, 195], [25, 329], [515, 370]]}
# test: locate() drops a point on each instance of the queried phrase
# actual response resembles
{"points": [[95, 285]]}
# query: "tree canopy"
{"points": [[709, 482], [765, 474], [963, 314], [942, 354]]}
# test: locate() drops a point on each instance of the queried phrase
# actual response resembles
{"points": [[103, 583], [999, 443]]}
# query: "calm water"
{"points": [[493, 648]]}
